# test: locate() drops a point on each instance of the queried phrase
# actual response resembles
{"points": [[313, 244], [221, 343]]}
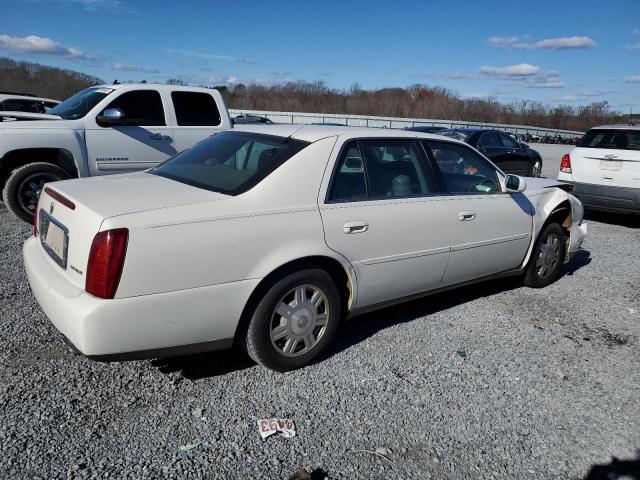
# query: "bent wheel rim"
{"points": [[30, 188], [299, 320], [548, 256], [537, 169]]}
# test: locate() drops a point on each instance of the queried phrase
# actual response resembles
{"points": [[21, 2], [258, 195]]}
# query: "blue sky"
{"points": [[571, 52]]}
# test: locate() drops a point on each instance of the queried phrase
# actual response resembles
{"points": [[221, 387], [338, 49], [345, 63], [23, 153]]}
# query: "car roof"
{"points": [[18, 96], [618, 126], [313, 133]]}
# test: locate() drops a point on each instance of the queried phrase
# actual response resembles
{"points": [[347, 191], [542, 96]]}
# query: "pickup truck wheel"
{"points": [[22, 189], [294, 321], [547, 257]]}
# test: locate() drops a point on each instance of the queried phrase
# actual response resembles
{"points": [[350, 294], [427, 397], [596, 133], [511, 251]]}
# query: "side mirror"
{"points": [[111, 116], [514, 183]]}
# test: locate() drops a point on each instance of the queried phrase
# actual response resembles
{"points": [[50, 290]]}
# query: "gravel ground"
{"points": [[492, 381]]}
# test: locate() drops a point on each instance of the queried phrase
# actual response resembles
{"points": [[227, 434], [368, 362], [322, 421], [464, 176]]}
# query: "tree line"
{"points": [[41, 80], [416, 101]]}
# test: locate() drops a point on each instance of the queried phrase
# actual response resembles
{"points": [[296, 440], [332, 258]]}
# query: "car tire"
{"points": [[535, 169], [22, 188], [294, 321], [547, 257]]}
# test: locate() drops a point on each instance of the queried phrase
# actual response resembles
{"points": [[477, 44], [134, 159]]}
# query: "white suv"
{"points": [[605, 169]]}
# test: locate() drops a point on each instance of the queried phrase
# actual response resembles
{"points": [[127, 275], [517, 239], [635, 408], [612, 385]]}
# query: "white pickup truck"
{"points": [[102, 130]]}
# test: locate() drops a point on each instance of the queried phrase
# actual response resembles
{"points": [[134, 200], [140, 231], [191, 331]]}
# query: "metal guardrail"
{"points": [[393, 122]]}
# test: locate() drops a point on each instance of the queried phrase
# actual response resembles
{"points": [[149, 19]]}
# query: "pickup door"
{"points": [[196, 116], [143, 140]]}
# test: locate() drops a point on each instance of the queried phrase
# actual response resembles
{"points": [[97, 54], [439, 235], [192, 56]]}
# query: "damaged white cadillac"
{"points": [[270, 236]]}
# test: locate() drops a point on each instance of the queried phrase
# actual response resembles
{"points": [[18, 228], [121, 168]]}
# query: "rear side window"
{"points": [[142, 108], [230, 162], [195, 109], [490, 139], [379, 169], [463, 170], [17, 105], [613, 139]]}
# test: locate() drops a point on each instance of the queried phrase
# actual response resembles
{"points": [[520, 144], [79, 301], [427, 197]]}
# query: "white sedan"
{"points": [[270, 236]]}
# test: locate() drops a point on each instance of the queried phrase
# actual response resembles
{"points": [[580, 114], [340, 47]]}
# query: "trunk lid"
{"points": [[66, 233], [608, 157]]}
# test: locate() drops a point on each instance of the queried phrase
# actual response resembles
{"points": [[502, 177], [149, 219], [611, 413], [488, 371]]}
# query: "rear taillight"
{"points": [[35, 222], [565, 163], [106, 260]]}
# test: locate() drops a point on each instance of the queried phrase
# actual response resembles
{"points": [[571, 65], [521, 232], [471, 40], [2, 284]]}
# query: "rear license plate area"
{"points": [[54, 238], [613, 165]]}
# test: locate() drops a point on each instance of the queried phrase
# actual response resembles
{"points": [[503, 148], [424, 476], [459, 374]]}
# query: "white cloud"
{"points": [[559, 43], [452, 75], [35, 45], [633, 79], [210, 56], [233, 80], [130, 67], [636, 31], [501, 42], [632, 46], [519, 70]]}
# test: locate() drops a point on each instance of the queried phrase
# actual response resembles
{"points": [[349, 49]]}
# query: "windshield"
{"points": [[457, 134], [616, 139], [80, 104], [230, 162]]}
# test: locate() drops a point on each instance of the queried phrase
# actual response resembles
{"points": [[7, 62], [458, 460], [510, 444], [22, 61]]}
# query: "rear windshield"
{"points": [[230, 162], [457, 134], [614, 139]]}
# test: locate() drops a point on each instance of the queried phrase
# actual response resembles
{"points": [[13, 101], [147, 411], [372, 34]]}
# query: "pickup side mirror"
{"points": [[111, 116], [514, 183]]}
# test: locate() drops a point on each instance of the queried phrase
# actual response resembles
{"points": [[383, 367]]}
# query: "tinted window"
{"points": [[195, 109], [614, 138], [383, 169], [508, 141], [142, 107], [349, 182], [17, 105], [225, 162], [463, 170], [490, 139]]}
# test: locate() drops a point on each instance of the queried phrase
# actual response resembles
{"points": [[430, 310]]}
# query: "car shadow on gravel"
{"points": [[622, 219], [205, 365], [616, 469], [219, 363]]}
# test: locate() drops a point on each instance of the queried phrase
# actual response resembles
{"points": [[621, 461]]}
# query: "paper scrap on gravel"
{"points": [[281, 426]]}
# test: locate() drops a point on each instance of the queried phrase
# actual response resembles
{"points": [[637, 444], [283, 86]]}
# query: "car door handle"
{"points": [[355, 227], [466, 216]]}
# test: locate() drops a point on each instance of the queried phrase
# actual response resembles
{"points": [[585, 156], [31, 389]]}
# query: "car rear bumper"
{"points": [[607, 198], [147, 326]]}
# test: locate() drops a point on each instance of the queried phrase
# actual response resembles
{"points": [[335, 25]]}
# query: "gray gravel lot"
{"points": [[491, 381]]}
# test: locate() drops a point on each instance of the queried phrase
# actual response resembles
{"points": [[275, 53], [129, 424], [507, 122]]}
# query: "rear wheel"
{"points": [[535, 169], [22, 189], [547, 257], [294, 321]]}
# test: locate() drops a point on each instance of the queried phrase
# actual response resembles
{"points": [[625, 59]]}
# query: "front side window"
{"points": [[230, 162], [81, 103], [463, 170], [140, 108], [371, 169], [195, 109], [508, 141], [616, 139]]}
